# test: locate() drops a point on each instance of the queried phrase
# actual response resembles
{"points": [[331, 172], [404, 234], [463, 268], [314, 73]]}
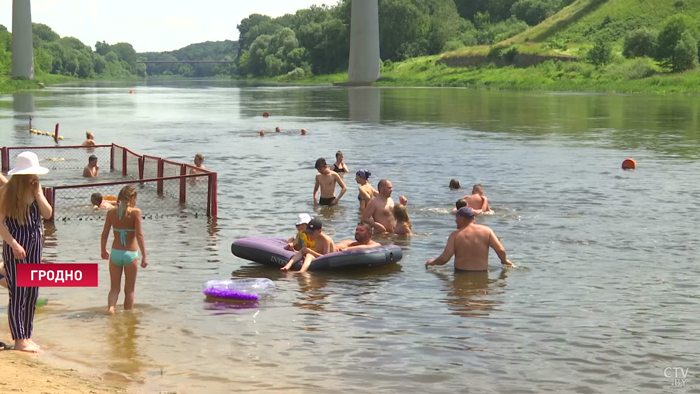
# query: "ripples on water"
{"points": [[605, 298]]}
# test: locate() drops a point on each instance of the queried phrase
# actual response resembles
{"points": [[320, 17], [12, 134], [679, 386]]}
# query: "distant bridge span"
{"points": [[183, 61]]}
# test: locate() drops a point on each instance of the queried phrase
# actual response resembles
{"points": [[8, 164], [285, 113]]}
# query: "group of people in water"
{"points": [[381, 215], [23, 208]]}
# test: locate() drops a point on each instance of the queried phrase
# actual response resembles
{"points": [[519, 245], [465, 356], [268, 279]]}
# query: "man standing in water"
{"points": [[470, 245], [326, 180], [379, 213], [363, 239], [92, 168]]}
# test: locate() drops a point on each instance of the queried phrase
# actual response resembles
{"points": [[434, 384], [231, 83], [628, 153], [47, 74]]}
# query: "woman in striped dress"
{"points": [[22, 206]]}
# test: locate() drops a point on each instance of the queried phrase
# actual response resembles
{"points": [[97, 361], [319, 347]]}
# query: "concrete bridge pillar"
{"points": [[364, 42], [22, 45]]}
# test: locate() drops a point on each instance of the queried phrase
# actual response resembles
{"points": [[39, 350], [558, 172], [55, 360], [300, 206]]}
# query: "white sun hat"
{"points": [[304, 218], [28, 164]]}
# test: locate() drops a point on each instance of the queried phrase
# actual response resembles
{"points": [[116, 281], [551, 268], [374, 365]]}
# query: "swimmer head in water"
{"points": [[362, 176], [96, 199], [198, 159], [262, 133], [454, 185], [303, 131], [278, 130]]}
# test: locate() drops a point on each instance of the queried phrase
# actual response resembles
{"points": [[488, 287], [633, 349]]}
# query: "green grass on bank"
{"points": [[585, 20], [11, 85], [623, 76]]}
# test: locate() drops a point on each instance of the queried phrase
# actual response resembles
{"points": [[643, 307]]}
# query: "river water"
{"points": [[604, 300]]}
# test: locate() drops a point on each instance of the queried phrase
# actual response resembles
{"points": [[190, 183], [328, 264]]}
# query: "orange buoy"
{"points": [[265, 114], [629, 164]]}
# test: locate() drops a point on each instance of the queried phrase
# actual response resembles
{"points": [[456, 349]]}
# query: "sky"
{"points": [[151, 25]]}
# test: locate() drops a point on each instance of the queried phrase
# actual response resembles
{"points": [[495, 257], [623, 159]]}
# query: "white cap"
{"points": [[304, 218], [28, 163]]}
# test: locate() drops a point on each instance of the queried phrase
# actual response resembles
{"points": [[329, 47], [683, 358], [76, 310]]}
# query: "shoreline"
{"points": [[426, 73], [26, 373]]}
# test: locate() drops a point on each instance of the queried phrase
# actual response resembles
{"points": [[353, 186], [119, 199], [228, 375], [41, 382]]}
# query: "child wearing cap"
{"points": [[301, 239], [323, 245]]}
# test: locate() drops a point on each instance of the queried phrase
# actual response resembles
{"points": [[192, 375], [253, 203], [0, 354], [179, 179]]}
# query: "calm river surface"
{"points": [[606, 296]]}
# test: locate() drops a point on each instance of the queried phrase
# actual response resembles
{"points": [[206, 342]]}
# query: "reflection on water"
{"points": [[364, 104], [590, 313], [123, 337], [23, 105], [469, 294]]}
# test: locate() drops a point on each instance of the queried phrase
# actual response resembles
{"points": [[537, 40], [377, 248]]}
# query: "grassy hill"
{"points": [[585, 20]]}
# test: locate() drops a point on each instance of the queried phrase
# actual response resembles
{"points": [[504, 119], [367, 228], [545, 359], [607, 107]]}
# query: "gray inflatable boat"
{"points": [[270, 251]]}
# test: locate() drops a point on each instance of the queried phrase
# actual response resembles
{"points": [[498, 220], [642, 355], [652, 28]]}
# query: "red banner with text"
{"points": [[56, 275]]}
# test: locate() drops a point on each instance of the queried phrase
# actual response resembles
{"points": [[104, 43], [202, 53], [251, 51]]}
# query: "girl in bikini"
{"points": [[125, 220], [367, 192]]}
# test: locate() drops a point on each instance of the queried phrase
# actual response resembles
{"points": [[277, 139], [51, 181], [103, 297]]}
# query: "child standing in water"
{"points": [[125, 220], [403, 223]]}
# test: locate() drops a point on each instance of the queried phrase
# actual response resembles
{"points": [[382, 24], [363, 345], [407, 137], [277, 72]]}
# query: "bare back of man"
{"points": [[470, 244], [476, 202]]}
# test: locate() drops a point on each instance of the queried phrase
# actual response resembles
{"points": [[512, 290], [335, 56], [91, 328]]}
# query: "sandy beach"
{"points": [[25, 374]]}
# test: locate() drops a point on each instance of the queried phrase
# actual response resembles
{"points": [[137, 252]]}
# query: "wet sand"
{"points": [[26, 374]]}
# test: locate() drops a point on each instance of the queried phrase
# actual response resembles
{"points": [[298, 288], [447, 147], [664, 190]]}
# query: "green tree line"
{"points": [[316, 40], [69, 56]]}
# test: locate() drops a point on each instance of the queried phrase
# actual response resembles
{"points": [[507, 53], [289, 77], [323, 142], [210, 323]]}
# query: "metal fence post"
{"points": [[5, 159], [212, 209], [161, 169], [141, 164], [183, 183], [123, 161], [111, 158]]}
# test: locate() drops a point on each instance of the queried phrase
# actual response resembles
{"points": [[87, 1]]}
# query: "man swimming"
{"points": [[379, 213], [92, 168], [477, 201], [363, 239], [326, 180], [470, 245]]}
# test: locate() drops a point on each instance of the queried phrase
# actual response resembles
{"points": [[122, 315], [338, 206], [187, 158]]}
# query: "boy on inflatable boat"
{"points": [[323, 245]]}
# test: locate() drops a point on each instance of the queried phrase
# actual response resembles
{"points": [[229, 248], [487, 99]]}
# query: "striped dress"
{"points": [[20, 311]]}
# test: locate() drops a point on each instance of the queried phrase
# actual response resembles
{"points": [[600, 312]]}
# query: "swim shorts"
{"points": [[326, 201]]}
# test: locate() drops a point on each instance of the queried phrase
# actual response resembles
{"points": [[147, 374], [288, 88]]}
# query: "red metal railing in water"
{"points": [[146, 170]]}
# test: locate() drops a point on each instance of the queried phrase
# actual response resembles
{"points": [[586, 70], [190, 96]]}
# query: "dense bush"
{"points": [[640, 43], [533, 12], [685, 54], [601, 53], [673, 43], [638, 68]]}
